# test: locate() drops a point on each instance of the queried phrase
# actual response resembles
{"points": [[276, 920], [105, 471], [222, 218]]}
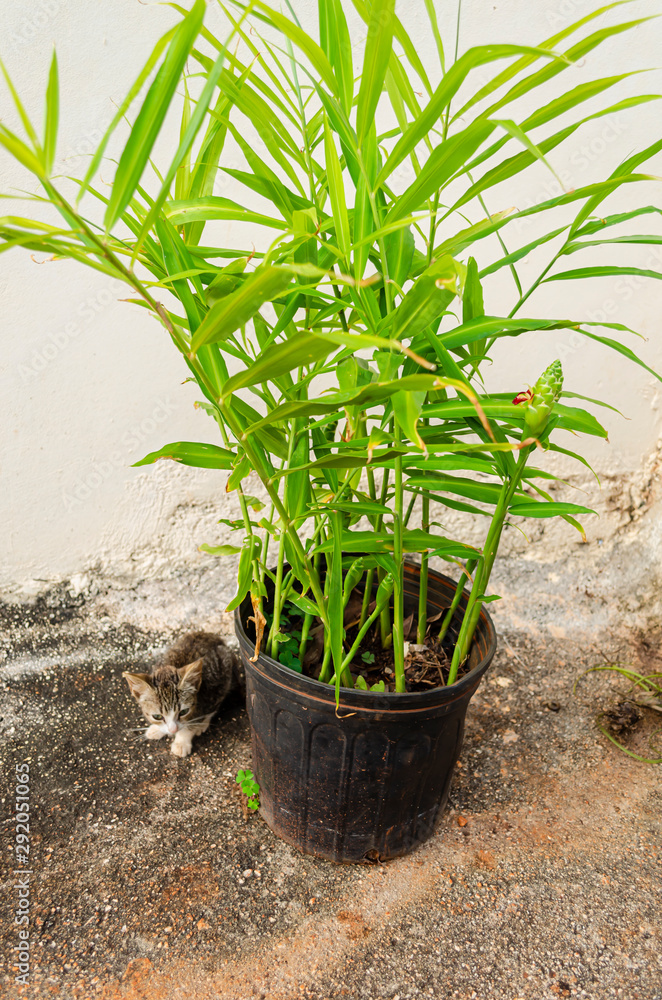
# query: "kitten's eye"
{"points": [[159, 718]]}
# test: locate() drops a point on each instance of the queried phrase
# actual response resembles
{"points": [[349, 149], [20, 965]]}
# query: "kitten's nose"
{"points": [[172, 727]]}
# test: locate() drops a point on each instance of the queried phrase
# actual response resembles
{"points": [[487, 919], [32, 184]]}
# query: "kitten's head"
{"points": [[168, 697]]}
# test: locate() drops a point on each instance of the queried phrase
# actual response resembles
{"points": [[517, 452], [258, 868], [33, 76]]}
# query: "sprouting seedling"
{"points": [[368, 657], [249, 786]]}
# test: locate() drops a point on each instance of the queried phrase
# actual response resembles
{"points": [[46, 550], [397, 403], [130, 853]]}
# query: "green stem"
{"points": [[287, 527], [367, 594], [410, 508], [398, 589], [326, 659], [385, 618], [325, 672], [421, 627], [362, 633], [448, 617], [305, 629], [482, 577], [275, 622]]}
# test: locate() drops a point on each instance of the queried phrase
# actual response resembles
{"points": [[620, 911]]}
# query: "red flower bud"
{"points": [[523, 397]]}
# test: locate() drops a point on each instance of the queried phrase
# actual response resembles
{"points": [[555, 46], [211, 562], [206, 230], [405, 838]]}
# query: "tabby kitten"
{"points": [[181, 695]]}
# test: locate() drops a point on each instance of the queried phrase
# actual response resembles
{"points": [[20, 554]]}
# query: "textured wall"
{"points": [[89, 384]]}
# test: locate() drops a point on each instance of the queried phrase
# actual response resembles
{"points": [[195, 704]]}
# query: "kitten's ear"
{"points": [[138, 683], [190, 676]]}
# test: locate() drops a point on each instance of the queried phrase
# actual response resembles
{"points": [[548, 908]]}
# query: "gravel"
{"points": [[149, 880]]}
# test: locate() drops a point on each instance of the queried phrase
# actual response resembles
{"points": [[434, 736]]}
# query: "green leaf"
{"points": [[20, 151], [182, 213], [241, 469], [461, 462], [226, 281], [484, 326], [413, 541], [151, 116], [123, 108], [296, 35], [336, 186], [566, 394], [407, 408], [597, 225], [358, 507], [427, 299], [305, 224], [336, 42], [51, 117], [249, 552], [399, 248], [444, 160], [472, 489], [514, 130], [192, 129], [303, 603], [540, 508], [432, 17], [569, 418], [512, 258], [197, 454], [375, 63], [220, 550], [303, 349], [289, 659], [238, 307], [472, 296], [621, 349], [601, 272], [442, 96]]}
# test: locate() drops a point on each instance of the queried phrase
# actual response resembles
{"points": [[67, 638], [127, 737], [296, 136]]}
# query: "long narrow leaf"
{"points": [[375, 63], [279, 359], [51, 117], [192, 129], [152, 114], [237, 308]]}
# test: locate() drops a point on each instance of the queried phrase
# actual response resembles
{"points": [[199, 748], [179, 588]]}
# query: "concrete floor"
{"points": [[542, 881]]}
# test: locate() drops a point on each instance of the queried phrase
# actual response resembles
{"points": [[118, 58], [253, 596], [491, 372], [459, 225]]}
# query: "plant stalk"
{"points": [[362, 633], [485, 564], [421, 628], [398, 589], [448, 617]]}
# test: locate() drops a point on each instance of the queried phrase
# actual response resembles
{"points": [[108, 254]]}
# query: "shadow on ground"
{"points": [[149, 881]]}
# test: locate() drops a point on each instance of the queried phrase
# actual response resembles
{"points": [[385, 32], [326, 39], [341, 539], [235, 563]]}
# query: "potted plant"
{"points": [[343, 363]]}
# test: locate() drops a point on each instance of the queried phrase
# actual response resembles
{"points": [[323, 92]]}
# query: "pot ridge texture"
{"points": [[371, 780]]}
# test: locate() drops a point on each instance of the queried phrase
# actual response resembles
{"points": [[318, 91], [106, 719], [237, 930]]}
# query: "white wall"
{"points": [[90, 384]]}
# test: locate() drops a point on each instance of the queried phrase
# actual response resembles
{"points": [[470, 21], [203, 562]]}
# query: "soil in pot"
{"points": [[427, 664]]}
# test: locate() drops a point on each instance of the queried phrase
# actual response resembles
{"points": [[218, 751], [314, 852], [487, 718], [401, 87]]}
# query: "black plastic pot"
{"points": [[371, 780]]}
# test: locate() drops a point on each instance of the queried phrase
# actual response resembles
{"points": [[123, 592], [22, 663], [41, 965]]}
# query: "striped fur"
{"points": [[181, 695]]}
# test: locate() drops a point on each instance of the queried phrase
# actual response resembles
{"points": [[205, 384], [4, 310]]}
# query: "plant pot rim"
{"points": [[369, 701]]}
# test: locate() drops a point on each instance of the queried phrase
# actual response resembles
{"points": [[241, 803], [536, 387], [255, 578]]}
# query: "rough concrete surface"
{"points": [[542, 881]]}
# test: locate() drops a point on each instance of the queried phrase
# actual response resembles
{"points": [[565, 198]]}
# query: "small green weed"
{"points": [[648, 694], [250, 788], [362, 685]]}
